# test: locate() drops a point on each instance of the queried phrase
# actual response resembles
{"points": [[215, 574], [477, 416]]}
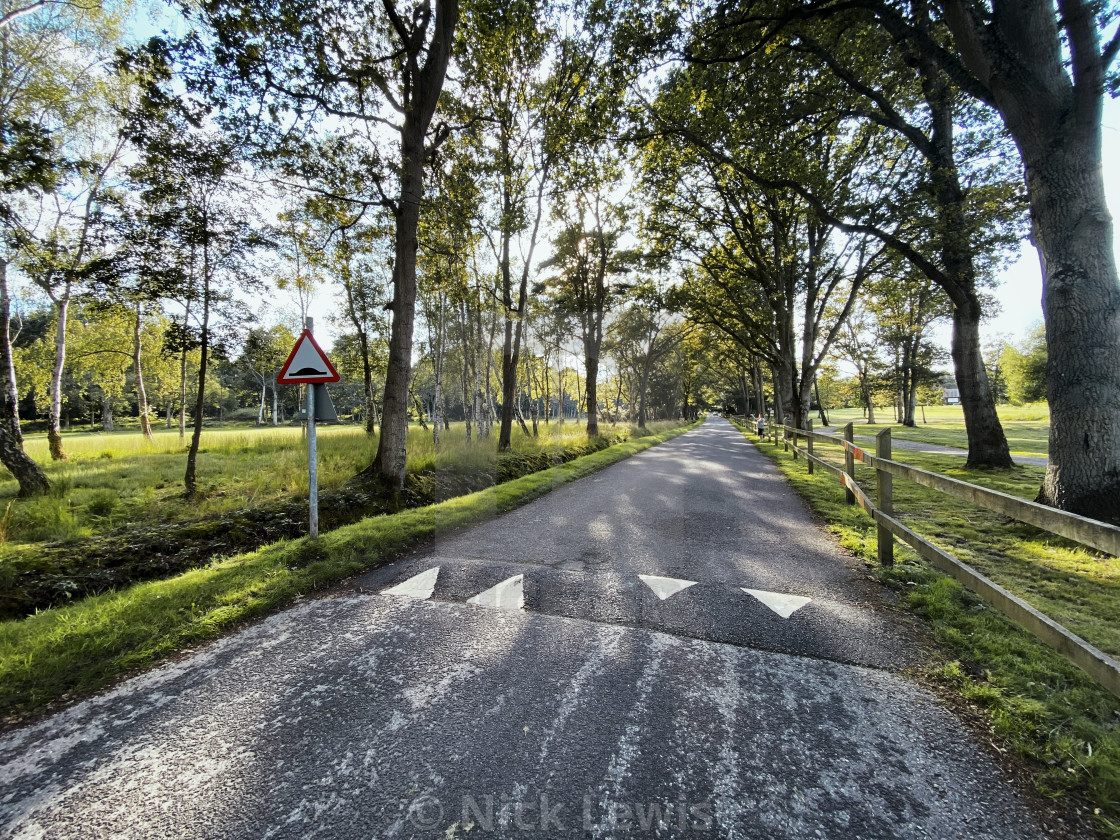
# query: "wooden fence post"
{"points": [[849, 464], [809, 446], [793, 435], [884, 484]]}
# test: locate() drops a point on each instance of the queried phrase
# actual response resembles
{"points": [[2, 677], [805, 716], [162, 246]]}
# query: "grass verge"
{"points": [[70, 652], [1036, 706]]}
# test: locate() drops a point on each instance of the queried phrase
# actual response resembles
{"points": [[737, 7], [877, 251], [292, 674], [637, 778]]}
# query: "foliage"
{"points": [[1024, 367]]}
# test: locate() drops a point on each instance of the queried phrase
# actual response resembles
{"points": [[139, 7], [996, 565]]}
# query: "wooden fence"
{"points": [[1099, 665]]}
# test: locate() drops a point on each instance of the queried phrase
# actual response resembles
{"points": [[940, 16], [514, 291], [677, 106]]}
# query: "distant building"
{"points": [[949, 392]]}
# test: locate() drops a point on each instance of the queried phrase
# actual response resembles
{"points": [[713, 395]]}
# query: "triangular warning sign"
{"points": [[307, 364]]}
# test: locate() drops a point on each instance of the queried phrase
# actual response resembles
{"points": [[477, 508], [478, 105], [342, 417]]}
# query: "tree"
{"points": [[764, 265], [588, 261], [187, 171], [392, 63], [1044, 68], [263, 354], [53, 98], [1052, 107], [64, 247], [1024, 367], [950, 222], [639, 340], [505, 91]]}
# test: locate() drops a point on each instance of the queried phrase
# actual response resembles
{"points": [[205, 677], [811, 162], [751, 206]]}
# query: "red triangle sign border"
{"points": [[287, 378]]}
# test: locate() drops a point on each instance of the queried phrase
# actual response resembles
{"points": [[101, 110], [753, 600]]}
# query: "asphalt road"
{"points": [[538, 685]]}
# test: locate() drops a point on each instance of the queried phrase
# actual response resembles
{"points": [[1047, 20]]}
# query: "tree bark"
{"points": [[591, 392], [389, 463], [54, 429], [9, 406], [183, 377], [141, 394], [1054, 116], [32, 480], [190, 482]]}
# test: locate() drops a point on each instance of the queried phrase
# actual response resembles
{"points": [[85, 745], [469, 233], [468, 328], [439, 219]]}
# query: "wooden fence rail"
{"points": [[1097, 664]]}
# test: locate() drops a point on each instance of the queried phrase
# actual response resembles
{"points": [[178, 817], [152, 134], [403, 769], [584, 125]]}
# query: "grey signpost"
{"points": [[308, 365]]}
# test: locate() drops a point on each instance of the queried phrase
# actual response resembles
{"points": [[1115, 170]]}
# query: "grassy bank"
{"points": [[112, 478], [72, 651], [1036, 705]]}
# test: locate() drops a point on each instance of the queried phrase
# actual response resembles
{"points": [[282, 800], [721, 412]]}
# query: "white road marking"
{"points": [[783, 605], [507, 595], [664, 587], [419, 586]]}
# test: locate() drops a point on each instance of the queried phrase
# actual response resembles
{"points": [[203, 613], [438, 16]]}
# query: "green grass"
{"points": [[1027, 427], [116, 478], [1037, 705], [73, 651]]}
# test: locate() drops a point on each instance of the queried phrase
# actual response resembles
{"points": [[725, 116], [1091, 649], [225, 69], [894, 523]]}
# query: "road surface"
{"points": [[669, 648]]}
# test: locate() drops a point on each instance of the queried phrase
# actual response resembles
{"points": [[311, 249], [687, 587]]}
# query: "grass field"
{"points": [[1037, 705], [110, 479], [1027, 427]]}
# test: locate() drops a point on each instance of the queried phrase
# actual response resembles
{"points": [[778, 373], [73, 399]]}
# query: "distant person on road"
{"points": [[761, 425]]}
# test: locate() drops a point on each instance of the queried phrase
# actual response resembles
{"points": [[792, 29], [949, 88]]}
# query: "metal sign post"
{"points": [[312, 461], [308, 365]]}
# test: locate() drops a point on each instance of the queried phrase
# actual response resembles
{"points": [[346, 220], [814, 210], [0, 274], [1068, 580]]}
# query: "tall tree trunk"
{"points": [[54, 428], [560, 394], [183, 377], [591, 392], [437, 400], [1054, 116], [106, 412], [9, 396], [779, 407], [260, 408], [465, 370], [865, 389], [987, 442], [489, 411], [643, 387], [1081, 304], [141, 394], [275, 400], [389, 463], [190, 483], [363, 342]]}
